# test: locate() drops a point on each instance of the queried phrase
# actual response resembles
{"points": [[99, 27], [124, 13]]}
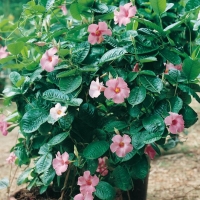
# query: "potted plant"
{"points": [[100, 87]]}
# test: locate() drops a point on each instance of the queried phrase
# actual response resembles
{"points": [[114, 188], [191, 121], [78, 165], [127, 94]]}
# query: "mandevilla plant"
{"points": [[100, 86]]}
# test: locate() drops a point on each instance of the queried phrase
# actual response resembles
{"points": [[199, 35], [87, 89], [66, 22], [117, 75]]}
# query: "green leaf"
{"points": [[4, 183], [129, 35], [24, 176], [44, 149], [122, 179], [49, 4], [191, 4], [92, 165], [132, 76], [69, 84], [58, 139], [32, 120], [67, 73], [66, 121], [191, 68], [189, 116], [172, 26], [21, 153], [55, 95], [106, 16], [110, 40], [38, 8], [176, 104], [75, 11], [134, 111], [140, 49], [43, 189], [7, 59], [175, 76], [150, 24], [95, 149], [141, 169], [148, 59], [43, 163], [15, 77], [129, 155], [154, 84], [158, 6], [86, 2], [154, 124], [190, 91], [112, 54], [138, 139], [80, 52], [15, 48], [104, 191], [100, 8], [119, 125], [152, 137], [48, 176], [170, 56], [137, 95], [74, 102]]}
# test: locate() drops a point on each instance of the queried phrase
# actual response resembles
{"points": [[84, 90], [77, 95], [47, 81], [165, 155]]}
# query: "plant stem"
{"points": [[65, 183], [129, 198]]}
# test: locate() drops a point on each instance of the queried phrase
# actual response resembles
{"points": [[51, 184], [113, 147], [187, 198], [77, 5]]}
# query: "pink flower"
{"points": [[175, 122], [49, 60], [117, 90], [87, 183], [102, 167], [97, 32], [3, 52], [11, 159], [150, 151], [87, 196], [64, 9], [136, 68], [3, 125], [60, 163], [58, 111], [96, 88], [125, 13], [170, 66], [121, 145]]}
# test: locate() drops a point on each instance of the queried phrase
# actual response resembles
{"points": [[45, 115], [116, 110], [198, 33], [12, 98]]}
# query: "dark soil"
{"points": [[24, 194]]}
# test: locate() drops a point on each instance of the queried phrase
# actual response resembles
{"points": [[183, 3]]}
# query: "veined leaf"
{"points": [[122, 178], [80, 52], [95, 149], [151, 83], [43, 163], [112, 54], [32, 120], [158, 6], [171, 56], [55, 95], [104, 191], [191, 68], [137, 95], [58, 139], [70, 83]]}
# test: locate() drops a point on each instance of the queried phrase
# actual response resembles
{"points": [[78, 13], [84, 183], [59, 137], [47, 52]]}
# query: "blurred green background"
{"points": [[11, 8]]}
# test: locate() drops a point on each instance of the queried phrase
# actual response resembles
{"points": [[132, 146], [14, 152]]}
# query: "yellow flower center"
{"points": [[98, 33], [59, 112], [117, 90]]}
